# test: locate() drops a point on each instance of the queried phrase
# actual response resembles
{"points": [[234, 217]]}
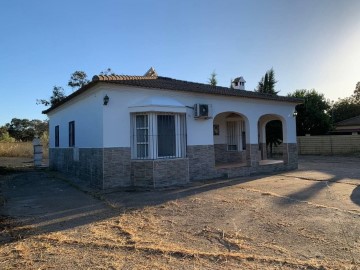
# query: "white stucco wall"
{"points": [[199, 132], [109, 126], [86, 111]]}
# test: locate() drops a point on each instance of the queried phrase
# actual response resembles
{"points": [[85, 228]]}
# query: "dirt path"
{"points": [[306, 219]]}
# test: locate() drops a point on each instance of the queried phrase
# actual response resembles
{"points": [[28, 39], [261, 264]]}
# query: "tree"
{"points": [[40, 127], [78, 79], [346, 108], [356, 94], [107, 71], [58, 95], [25, 130], [313, 115], [4, 135], [212, 80], [267, 83]]}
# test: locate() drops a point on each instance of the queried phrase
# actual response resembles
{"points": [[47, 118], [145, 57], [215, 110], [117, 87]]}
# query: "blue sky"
{"points": [[310, 44]]}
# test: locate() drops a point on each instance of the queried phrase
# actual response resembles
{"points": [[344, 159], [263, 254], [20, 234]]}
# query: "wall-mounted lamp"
{"points": [[295, 113], [106, 100]]}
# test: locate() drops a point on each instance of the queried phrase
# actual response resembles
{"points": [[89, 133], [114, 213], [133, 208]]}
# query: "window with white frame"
{"points": [[158, 135], [235, 135]]}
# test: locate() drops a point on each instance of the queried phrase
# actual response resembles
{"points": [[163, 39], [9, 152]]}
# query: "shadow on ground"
{"points": [[335, 169], [355, 195]]}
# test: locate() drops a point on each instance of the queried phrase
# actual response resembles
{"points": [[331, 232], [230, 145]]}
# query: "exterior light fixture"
{"points": [[295, 113], [106, 100]]}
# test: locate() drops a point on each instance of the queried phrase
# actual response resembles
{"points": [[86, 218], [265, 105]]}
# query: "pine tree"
{"points": [[267, 83], [212, 80]]}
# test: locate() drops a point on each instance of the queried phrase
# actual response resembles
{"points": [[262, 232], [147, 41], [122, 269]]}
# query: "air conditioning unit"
{"points": [[202, 111]]}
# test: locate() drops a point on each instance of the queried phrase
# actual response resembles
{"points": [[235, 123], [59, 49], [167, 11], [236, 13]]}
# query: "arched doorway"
{"points": [[272, 131]]}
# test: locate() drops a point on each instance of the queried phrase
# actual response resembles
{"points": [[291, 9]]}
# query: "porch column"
{"points": [[262, 140], [290, 152], [253, 155]]}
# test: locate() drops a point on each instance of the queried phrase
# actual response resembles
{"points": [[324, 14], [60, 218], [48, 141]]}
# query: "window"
{"points": [[72, 134], [236, 139], [158, 135], [142, 136], [57, 136], [166, 135]]}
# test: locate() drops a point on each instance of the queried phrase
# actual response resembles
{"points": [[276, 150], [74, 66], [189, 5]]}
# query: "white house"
{"points": [[154, 131]]}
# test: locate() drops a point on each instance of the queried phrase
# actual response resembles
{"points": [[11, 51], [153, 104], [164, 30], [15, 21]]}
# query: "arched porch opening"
{"points": [[272, 131], [231, 136]]}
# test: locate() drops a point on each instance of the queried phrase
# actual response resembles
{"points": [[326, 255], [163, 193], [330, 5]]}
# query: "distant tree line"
{"points": [[23, 130]]}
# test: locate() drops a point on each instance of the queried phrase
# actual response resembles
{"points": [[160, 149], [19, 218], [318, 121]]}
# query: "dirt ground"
{"points": [[303, 219]]}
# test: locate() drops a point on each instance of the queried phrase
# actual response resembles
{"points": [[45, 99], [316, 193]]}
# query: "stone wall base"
{"points": [[201, 162], [117, 167], [112, 167], [98, 167], [87, 165], [159, 173], [222, 155], [290, 155]]}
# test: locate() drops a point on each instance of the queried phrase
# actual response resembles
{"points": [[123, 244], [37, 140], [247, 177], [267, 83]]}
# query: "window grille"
{"points": [[158, 135], [142, 136]]}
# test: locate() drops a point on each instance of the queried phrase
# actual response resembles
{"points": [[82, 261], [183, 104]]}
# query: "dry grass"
{"points": [[19, 149], [137, 241], [144, 239]]}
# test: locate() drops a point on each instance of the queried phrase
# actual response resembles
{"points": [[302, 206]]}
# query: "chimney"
{"points": [[238, 83]]}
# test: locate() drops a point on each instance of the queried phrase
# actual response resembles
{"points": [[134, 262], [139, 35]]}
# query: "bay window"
{"points": [[158, 135]]}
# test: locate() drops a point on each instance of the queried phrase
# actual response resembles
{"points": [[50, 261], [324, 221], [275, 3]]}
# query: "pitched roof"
{"points": [[354, 121], [157, 82]]}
